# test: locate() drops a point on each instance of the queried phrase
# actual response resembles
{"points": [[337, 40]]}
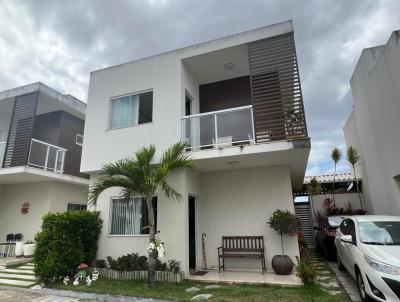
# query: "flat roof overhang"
{"points": [[293, 154], [20, 175]]}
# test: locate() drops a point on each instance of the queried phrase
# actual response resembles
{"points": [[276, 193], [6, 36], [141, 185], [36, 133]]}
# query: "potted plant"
{"points": [[29, 248], [19, 252], [285, 223]]}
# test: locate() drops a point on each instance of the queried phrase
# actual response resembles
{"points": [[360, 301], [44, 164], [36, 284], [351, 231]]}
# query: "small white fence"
{"points": [[7, 250], [161, 276]]}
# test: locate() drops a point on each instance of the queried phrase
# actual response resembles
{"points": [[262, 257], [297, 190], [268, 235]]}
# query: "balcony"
{"points": [[218, 129], [46, 156]]}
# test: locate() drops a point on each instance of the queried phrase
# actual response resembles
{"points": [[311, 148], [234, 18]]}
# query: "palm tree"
{"points": [[336, 157], [353, 157], [313, 188], [138, 175]]}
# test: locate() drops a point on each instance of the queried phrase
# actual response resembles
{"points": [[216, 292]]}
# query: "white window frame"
{"points": [[77, 203], [109, 128], [78, 135], [110, 219]]}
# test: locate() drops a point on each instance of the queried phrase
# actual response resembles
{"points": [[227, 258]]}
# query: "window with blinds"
{"points": [[76, 207], [130, 217]]}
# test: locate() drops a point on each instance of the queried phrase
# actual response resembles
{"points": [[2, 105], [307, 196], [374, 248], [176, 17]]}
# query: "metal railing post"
{"points": [[252, 124], [47, 158], [216, 128]]}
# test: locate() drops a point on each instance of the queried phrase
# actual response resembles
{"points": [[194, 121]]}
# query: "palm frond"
{"points": [[169, 191], [336, 155], [313, 186], [175, 157], [353, 156], [106, 182]]}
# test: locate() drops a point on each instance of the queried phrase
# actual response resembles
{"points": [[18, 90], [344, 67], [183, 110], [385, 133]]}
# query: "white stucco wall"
{"points": [[236, 202], [240, 202], [166, 75], [43, 197], [376, 93]]}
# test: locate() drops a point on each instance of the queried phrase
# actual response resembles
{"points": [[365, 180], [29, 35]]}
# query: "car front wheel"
{"points": [[361, 288]]}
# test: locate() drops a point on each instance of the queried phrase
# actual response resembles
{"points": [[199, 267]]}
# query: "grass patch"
{"points": [[234, 292]]}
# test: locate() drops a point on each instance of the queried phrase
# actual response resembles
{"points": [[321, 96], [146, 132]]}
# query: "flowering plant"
{"points": [[156, 248], [328, 203]]}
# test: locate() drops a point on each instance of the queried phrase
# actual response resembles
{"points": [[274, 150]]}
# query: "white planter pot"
{"points": [[19, 251], [29, 249]]}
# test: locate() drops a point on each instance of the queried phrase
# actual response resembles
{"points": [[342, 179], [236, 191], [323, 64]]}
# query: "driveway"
{"points": [[11, 295], [350, 286]]}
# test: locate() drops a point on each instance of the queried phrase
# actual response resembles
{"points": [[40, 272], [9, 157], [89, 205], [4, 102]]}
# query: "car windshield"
{"points": [[380, 232]]}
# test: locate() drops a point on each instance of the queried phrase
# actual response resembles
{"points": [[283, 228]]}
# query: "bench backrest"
{"points": [[243, 243]]}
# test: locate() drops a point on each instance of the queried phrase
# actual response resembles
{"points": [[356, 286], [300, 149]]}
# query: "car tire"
{"points": [[339, 264], [361, 288]]}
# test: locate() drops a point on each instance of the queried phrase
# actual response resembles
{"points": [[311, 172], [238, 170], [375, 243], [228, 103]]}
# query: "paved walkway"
{"points": [[11, 295], [347, 282]]}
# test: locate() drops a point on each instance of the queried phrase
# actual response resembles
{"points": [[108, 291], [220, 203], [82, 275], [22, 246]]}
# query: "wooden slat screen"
{"points": [[19, 137], [276, 92]]}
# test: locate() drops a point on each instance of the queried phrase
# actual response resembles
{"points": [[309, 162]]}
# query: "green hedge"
{"points": [[66, 240]]}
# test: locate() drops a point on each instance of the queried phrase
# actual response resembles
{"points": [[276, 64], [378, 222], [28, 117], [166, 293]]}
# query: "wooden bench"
{"points": [[241, 247]]}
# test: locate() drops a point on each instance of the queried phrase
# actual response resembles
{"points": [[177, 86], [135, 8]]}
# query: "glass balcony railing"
{"points": [[2, 151], [217, 129], [46, 156]]}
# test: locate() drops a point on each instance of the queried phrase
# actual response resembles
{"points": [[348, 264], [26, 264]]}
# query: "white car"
{"points": [[368, 247]]}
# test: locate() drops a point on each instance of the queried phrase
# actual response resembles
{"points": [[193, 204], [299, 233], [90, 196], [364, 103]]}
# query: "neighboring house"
{"points": [[41, 134], [345, 194], [237, 103], [374, 125]]}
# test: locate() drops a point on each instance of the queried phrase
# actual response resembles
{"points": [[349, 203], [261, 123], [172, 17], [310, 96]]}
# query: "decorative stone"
{"points": [[192, 290], [201, 297], [213, 286]]}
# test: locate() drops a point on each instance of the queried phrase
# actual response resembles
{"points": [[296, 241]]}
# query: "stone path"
{"points": [[9, 295], [326, 278], [22, 276], [347, 282]]}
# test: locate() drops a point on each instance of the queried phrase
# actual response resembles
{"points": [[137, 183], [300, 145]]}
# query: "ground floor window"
{"points": [[76, 207], [130, 217]]}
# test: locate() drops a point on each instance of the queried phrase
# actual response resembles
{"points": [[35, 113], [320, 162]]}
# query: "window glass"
{"points": [[76, 207], [380, 232], [130, 218], [131, 110]]}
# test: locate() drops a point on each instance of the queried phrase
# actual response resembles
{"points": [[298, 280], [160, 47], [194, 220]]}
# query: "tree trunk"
{"points": [[283, 251], [357, 188], [152, 237], [333, 187]]}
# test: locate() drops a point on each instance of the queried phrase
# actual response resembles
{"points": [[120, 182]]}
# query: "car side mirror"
{"points": [[347, 238]]}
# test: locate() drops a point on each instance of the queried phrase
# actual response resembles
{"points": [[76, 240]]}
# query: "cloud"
{"points": [[59, 43]]}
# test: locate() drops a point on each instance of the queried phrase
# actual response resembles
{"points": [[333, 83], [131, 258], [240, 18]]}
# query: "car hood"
{"points": [[388, 254]]}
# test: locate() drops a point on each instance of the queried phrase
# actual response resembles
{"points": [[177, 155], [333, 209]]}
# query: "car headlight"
{"points": [[382, 267]]}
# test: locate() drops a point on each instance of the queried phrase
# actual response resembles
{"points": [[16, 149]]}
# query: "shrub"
{"points": [[305, 270], [66, 240], [174, 266], [129, 262], [134, 262]]}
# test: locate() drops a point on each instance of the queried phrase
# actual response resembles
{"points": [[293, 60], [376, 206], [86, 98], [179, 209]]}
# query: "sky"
{"points": [[60, 42]]}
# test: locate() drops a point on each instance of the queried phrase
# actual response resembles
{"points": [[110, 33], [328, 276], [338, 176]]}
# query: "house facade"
{"points": [[375, 89], [237, 104], [41, 133]]}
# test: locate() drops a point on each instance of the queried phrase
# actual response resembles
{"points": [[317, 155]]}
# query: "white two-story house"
{"points": [[237, 103]]}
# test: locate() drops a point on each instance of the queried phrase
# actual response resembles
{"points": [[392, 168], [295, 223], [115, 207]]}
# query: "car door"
{"points": [[349, 248], [340, 244]]}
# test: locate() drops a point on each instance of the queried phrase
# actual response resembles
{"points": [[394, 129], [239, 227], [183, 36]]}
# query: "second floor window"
{"points": [[131, 110]]}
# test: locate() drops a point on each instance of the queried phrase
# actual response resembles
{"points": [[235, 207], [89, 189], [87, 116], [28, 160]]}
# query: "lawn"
{"points": [[228, 292]]}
